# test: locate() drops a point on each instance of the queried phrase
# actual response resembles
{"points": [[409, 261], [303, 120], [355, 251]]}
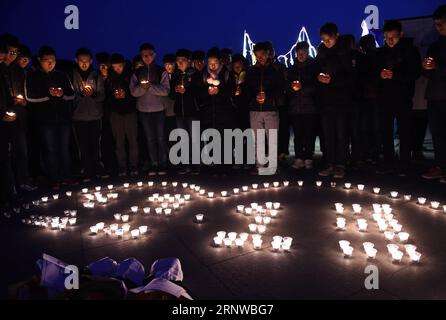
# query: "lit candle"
{"points": [[110, 187], [361, 187], [176, 205], [388, 216], [164, 205], [100, 225], [210, 194], [268, 205], [126, 227], [115, 195], [224, 193], [444, 208], [318, 183], [339, 207], [415, 256], [333, 184], [266, 220], [252, 227], [276, 205], [218, 241], [192, 186], [276, 245], [394, 194], [243, 236], [227, 242], [368, 245], [168, 211], [232, 236], [240, 208], [266, 185], [239, 242], [273, 213], [261, 228], [254, 205], [197, 188], [404, 236], [73, 213], [410, 248], [389, 235], [435, 204], [126, 185], [397, 227], [340, 223], [150, 183], [146, 210], [300, 183], [125, 218], [117, 216], [199, 217], [184, 184], [362, 224], [134, 209], [255, 186], [114, 227], [98, 188], [94, 229], [221, 234], [257, 243], [286, 183], [258, 219], [174, 184], [135, 233], [397, 255], [377, 208], [275, 184], [376, 190], [248, 211], [139, 183], [387, 210], [187, 197], [245, 188], [44, 199], [119, 232], [357, 208], [202, 192], [421, 200], [347, 185], [142, 229], [84, 190], [407, 197], [236, 190], [68, 193], [286, 246], [55, 196], [371, 253]]}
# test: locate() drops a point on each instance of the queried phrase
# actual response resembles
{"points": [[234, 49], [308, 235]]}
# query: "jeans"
{"points": [[304, 128], [153, 124], [88, 135], [437, 120], [334, 122], [56, 151]]}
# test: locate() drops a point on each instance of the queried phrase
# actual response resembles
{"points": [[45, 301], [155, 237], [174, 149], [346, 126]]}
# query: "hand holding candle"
{"points": [[145, 84], [261, 96], [296, 85], [56, 92], [324, 78], [429, 63]]}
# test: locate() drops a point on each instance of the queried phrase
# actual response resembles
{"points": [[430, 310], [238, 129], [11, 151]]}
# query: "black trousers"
{"points": [[88, 135], [418, 130], [284, 131], [437, 124], [6, 176], [304, 128], [401, 112], [334, 125], [108, 157]]}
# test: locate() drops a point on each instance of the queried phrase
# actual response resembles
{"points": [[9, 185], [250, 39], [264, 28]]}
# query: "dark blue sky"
{"points": [[122, 25]]}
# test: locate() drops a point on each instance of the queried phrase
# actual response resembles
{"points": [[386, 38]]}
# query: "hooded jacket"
{"points": [[88, 108], [154, 98], [49, 110]]}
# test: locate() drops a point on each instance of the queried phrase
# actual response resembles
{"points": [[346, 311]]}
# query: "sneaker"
{"points": [[308, 164], [298, 164], [134, 172], [28, 187], [122, 172], [433, 173], [339, 172], [86, 179], [327, 172]]}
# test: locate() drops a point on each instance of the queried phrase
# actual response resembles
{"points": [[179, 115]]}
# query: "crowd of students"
{"points": [[117, 119]]}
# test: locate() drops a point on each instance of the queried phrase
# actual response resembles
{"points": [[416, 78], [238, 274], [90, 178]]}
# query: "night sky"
{"points": [[120, 26]]}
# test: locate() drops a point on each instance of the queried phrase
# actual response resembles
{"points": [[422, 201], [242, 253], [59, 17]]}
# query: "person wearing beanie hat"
{"points": [[150, 86], [123, 116], [198, 62]]}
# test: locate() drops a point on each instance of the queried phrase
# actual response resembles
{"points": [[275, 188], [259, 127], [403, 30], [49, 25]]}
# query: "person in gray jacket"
{"points": [[150, 86], [89, 95]]}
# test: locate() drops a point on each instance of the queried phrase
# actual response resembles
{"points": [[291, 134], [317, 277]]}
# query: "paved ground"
{"points": [[315, 267]]}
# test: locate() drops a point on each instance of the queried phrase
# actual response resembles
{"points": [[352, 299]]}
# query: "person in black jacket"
{"points": [[215, 89], [302, 80], [123, 117], [399, 66], [334, 97], [434, 68], [183, 90], [14, 77], [50, 95]]}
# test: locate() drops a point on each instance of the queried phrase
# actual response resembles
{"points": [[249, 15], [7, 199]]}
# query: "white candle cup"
{"points": [[125, 217], [421, 200], [415, 256], [143, 229], [192, 186], [126, 227], [117, 216], [254, 205], [158, 210], [255, 186], [269, 205], [286, 183], [177, 196], [93, 230], [347, 185], [410, 248], [287, 240], [164, 183], [164, 205], [300, 183], [68, 193], [435, 204], [239, 242], [139, 183], [340, 223], [126, 185], [55, 196], [362, 224], [119, 232], [377, 208], [135, 233], [361, 187], [176, 205], [210, 194], [115, 195], [181, 201], [202, 192], [376, 190], [199, 217], [266, 185], [275, 184], [114, 227], [348, 251], [174, 184], [339, 207], [110, 187], [248, 211], [110, 195], [266, 220], [221, 234], [273, 213], [276, 205], [171, 199], [393, 194], [62, 226], [368, 245], [252, 227], [333, 184], [387, 210], [257, 243], [150, 183], [146, 210], [244, 236], [227, 242], [100, 225], [168, 211], [377, 216], [286, 246], [318, 183], [232, 236], [258, 219], [404, 236], [134, 209], [84, 190], [357, 208], [245, 188], [371, 253], [224, 193], [240, 208], [407, 197], [389, 235], [344, 243], [44, 199], [197, 188], [184, 184], [73, 213], [236, 190], [98, 188], [397, 227], [276, 245], [397, 255], [218, 241]]}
